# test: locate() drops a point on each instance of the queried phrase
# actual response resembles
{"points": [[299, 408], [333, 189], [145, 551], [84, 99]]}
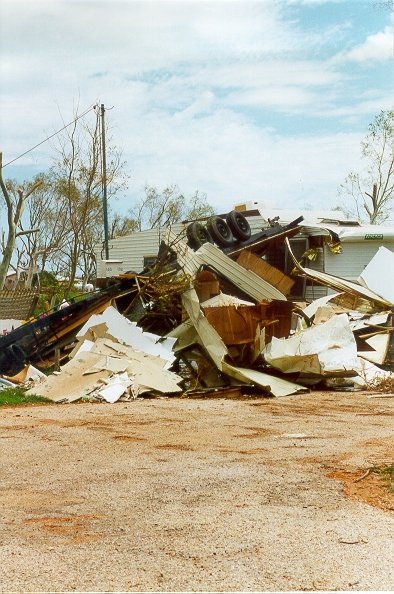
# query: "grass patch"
{"points": [[17, 396], [386, 472]]}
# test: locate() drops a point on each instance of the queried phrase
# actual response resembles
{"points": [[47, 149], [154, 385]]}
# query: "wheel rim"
{"points": [[223, 229], [241, 223]]}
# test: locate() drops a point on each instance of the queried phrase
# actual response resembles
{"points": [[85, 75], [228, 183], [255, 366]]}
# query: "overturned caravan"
{"points": [[232, 233]]}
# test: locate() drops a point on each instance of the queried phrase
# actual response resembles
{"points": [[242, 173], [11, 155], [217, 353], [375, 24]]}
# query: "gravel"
{"points": [[194, 495]]}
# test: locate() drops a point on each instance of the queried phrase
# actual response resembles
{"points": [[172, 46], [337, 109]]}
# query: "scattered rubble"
{"points": [[106, 366], [233, 328], [36, 341]]}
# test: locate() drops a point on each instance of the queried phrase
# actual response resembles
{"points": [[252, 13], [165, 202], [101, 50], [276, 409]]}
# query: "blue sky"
{"points": [[245, 101]]}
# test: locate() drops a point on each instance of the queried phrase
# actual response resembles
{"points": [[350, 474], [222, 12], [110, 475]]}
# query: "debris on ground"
{"points": [[113, 359], [225, 324]]}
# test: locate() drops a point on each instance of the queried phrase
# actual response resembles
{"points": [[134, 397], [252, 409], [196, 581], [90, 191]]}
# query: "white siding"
{"points": [[349, 264], [353, 259], [133, 248]]}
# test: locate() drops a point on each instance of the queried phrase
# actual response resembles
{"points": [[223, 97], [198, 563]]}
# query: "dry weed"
{"points": [[382, 384]]}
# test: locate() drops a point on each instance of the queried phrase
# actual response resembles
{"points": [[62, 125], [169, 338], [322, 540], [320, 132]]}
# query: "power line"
{"points": [[52, 135]]}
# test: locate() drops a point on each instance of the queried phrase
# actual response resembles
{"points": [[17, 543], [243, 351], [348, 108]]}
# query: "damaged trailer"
{"points": [[36, 341], [138, 251], [321, 240]]}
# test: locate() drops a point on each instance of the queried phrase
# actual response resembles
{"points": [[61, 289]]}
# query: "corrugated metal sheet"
{"points": [[246, 280], [211, 256]]}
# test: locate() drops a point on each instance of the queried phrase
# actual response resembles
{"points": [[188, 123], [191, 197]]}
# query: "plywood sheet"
{"points": [[266, 271]]}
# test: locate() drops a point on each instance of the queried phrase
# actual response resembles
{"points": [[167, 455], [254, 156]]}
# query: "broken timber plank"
{"points": [[266, 271]]}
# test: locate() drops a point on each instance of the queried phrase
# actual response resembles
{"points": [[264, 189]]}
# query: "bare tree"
{"points": [[197, 207], [79, 183], [15, 209], [163, 208], [371, 192], [45, 212], [122, 225]]}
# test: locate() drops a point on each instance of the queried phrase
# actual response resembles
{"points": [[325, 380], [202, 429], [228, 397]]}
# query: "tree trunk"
{"points": [[14, 215], [7, 256]]}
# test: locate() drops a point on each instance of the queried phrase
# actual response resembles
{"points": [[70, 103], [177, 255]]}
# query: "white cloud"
{"points": [[196, 87], [368, 103], [140, 35], [233, 160], [266, 72], [377, 47]]}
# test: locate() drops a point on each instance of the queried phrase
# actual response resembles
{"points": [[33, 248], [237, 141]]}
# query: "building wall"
{"points": [[353, 259], [133, 248], [349, 264]]}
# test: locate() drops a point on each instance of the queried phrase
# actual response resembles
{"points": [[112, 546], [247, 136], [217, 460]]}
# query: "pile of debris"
{"points": [[256, 336], [235, 328], [104, 364]]}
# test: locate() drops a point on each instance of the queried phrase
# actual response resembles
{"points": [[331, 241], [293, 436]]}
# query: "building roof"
{"points": [[354, 233], [326, 222], [288, 215]]}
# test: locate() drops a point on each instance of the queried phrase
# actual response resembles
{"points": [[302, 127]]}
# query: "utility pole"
{"points": [[104, 172]]}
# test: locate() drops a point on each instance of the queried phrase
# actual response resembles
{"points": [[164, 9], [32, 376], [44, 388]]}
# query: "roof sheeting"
{"points": [[212, 257]]}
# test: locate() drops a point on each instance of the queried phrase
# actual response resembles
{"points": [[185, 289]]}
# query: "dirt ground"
{"points": [[198, 495]]}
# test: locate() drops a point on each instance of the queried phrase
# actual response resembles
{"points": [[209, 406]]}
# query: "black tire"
{"points": [[239, 225], [220, 231], [197, 234], [17, 352], [14, 360]]}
